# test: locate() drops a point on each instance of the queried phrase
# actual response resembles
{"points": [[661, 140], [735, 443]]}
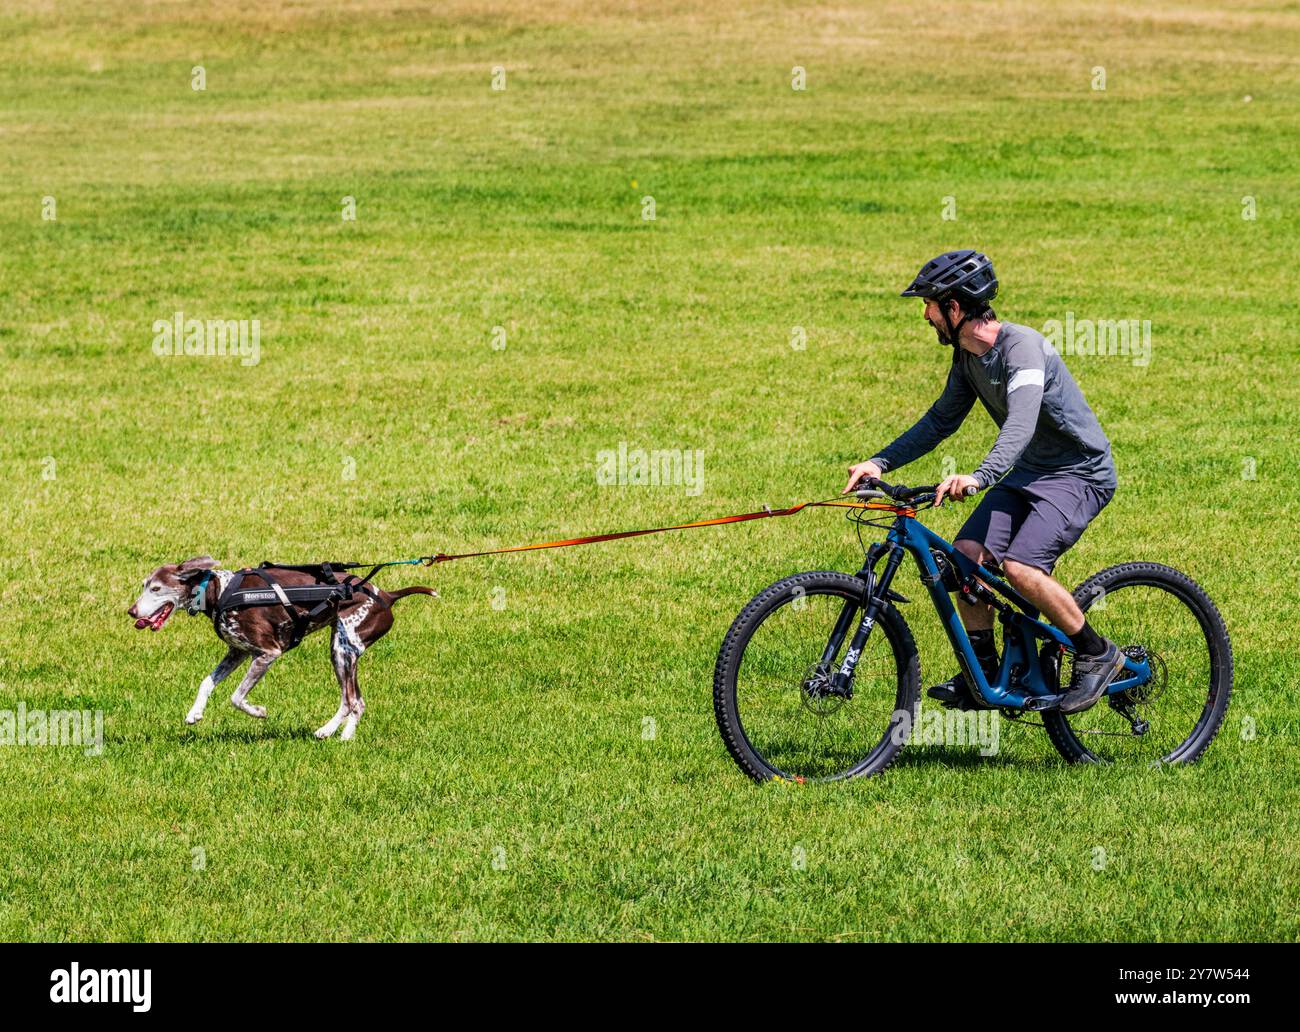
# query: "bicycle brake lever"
{"points": [[968, 492]]}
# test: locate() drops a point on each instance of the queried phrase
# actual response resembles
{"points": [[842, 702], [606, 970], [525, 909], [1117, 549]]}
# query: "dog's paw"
{"points": [[193, 718], [325, 732], [256, 711]]}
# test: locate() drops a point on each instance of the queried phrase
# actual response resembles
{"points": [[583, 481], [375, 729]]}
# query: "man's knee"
{"points": [[973, 550], [1021, 575]]}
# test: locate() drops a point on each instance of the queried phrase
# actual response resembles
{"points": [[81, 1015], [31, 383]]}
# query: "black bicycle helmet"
{"points": [[965, 275]]}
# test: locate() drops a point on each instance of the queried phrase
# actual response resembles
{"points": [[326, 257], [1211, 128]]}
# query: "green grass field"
{"points": [[501, 784]]}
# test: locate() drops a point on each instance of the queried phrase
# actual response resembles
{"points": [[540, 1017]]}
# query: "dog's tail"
{"points": [[419, 589]]}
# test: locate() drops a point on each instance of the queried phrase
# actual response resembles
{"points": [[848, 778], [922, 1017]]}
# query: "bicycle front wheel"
{"points": [[776, 709], [1157, 613]]}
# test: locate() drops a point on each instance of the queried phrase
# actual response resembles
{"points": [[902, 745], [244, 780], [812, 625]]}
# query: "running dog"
{"points": [[265, 632]]}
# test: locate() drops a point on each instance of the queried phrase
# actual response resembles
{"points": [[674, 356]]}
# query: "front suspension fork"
{"points": [[841, 682]]}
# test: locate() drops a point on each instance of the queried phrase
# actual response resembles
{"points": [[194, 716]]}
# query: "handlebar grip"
{"points": [[971, 491]]}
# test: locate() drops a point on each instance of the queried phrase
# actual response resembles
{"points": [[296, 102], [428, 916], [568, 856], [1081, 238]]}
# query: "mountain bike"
{"points": [[819, 678]]}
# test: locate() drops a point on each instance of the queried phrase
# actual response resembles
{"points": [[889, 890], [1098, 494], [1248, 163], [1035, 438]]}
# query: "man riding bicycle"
{"points": [[1049, 473]]}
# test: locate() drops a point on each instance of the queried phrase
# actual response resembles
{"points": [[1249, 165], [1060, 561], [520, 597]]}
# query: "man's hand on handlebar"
{"points": [[959, 486], [866, 475], [863, 470]]}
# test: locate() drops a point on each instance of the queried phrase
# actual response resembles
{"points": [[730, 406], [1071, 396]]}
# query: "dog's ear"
{"points": [[191, 569]]}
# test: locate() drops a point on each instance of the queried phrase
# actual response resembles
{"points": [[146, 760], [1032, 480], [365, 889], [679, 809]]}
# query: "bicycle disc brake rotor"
{"points": [[818, 695]]}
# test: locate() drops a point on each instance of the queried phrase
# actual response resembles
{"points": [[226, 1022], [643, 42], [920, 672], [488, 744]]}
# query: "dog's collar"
{"points": [[198, 602]]}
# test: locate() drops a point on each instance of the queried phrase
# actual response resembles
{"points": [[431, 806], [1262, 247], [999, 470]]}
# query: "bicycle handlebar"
{"points": [[917, 495]]}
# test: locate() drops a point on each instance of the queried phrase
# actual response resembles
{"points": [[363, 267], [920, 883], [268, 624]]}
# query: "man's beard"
{"points": [[942, 334]]}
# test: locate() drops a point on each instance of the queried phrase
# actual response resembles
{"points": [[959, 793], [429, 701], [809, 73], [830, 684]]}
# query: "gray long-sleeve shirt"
{"points": [[1046, 425]]}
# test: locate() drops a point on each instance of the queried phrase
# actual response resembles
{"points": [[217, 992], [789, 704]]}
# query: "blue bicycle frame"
{"points": [[1021, 682]]}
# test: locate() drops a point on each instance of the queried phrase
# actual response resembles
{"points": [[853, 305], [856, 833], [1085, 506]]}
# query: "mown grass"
{"points": [[500, 785]]}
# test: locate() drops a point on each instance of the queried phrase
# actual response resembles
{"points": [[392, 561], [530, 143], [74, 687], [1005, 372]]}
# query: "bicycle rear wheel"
{"points": [[1170, 618], [772, 697]]}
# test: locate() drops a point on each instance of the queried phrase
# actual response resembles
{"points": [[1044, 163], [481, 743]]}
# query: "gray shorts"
{"points": [[1034, 521]]}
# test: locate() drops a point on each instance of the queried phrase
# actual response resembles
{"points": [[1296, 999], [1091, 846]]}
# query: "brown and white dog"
{"points": [[265, 633]]}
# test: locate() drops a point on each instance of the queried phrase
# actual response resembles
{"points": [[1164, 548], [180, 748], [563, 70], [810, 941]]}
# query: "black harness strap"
{"points": [[356, 584], [327, 593]]}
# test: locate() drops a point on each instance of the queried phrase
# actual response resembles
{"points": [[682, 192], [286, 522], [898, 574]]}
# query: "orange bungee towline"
{"points": [[765, 513], [443, 557]]}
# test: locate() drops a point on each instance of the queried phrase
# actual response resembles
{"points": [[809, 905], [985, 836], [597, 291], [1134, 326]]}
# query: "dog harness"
{"points": [[328, 591]]}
